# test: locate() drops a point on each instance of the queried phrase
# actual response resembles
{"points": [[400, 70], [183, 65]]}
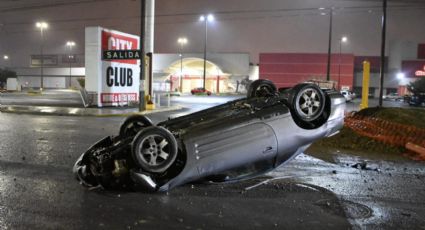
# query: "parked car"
{"points": [[200, 90], [393, 97], [417, 100], [237, 140], [347, 95]]}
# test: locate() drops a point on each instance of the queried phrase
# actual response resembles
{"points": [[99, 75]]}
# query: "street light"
{"points": [[182, 42], [42, 26], [206, 19], [70, 44], [400, 76], [5, 57], [343, 39]]}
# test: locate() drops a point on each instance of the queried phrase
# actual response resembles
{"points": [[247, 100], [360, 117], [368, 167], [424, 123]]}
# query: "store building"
{"points": [[404, 64], [288, 69], [172, 72]]}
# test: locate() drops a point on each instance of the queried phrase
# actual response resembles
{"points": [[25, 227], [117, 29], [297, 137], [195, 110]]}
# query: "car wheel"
{"points": [[133, 124], [154, 149], [261, 88], [308, 102]]}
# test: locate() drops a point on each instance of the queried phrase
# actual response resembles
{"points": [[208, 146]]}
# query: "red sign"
{"points": [[413, 68], [118, 97], [112, 41], [420, 73]]}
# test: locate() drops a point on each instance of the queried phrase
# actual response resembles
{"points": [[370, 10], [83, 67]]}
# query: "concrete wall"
{"points": [[52, 77]]}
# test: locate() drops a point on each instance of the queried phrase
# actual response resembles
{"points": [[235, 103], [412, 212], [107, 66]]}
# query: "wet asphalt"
{"points": [[38, 191]]}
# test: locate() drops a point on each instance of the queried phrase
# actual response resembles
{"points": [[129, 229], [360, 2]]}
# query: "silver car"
{"points": [[237, 140]]}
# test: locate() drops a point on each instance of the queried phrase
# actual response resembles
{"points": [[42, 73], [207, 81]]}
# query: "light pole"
{"points": [[70, 44], [182, 42], [344, 39], [42, 26], [206, 19], [328, 72], [5, 58]]}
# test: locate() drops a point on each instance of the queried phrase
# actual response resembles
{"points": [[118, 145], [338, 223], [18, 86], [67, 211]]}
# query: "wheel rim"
{"points": [[153, 150], [308, 103]]}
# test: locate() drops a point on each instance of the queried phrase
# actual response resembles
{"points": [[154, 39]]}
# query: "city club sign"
{"points": [[112, 68], [420, 73]]}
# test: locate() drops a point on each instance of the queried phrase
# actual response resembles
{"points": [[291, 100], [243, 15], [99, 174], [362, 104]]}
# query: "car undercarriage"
{"points": [[237, 140]]}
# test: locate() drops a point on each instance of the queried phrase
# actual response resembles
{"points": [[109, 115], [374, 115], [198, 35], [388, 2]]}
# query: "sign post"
{"points": [[142, 56], [365, 86]]}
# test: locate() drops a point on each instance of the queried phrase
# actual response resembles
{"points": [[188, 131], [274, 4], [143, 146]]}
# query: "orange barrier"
{"points": [[394, 134]]}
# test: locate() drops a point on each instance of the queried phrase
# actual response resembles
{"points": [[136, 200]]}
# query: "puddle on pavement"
{"points": [[352, 210]]}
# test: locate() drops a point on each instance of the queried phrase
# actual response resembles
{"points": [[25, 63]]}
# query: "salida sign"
{"points": [[117, 73]]}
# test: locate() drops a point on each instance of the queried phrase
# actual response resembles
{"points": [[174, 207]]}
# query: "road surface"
{"points": [[38, 190]]}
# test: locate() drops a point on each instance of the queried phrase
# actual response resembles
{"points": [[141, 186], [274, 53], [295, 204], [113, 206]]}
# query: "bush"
{"points": [[417, 87], [4, 75], [82, 82]]}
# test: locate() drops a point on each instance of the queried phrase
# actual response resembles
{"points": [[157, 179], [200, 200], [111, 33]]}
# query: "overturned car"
{"points": [[237, 140]]}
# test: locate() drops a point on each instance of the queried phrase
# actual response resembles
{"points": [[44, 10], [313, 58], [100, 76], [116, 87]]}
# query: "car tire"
{"points": [[261, 88], [154, 149], [133, 124], [307, 104]]}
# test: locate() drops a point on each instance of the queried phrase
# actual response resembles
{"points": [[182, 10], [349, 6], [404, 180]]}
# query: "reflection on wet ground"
{"points": [[376, 194], [306, 193]]}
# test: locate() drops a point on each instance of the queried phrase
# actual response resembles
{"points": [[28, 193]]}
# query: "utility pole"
{"points": [[205, 54], [142, 56], [384, 30], [328, 74]]}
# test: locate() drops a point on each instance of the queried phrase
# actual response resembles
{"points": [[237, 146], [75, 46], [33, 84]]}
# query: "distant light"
{"points": [[344, 39], [370, 11], [209, 17], [322, 8], [42, 25], [70, 43], [5, 57], [323, 14], [182, 41], [400, 76]]}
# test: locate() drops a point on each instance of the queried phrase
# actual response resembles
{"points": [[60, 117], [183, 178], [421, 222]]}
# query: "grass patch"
{"points": [[411, 116], [348, 141]]}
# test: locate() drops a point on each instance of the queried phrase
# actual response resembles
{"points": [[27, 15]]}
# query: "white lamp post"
{"points": [[42, 26], [70, 44], [206, 19], [182, 42], [343, 39]]}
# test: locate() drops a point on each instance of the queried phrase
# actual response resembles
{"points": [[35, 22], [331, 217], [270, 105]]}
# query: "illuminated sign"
{"points": [[112, 66], [121, 54], [420, 73]]}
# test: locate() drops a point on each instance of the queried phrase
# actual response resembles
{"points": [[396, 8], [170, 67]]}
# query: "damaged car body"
{"points": [[233, 141]]}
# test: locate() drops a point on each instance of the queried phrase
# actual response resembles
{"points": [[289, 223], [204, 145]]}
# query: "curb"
{"points": [[64, 111]]}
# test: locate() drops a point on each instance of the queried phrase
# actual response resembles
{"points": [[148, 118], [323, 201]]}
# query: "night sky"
{"points": [[250, 26]]}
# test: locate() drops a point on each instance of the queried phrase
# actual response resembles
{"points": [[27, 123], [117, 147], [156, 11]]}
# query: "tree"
{"points": [[417, 87], [4, 75]]}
